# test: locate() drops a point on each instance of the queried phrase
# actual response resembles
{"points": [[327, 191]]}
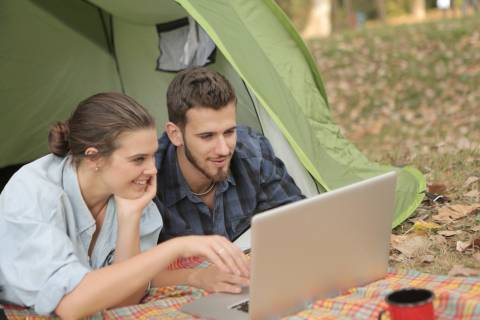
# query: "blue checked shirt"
{"points": [[258, 181]]}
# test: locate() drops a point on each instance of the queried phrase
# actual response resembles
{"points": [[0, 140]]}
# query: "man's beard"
{"points": [[220, 176]]}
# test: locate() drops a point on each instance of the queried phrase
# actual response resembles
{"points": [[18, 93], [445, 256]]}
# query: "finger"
{"points": [[226, 287], [151, 186], [211, 254], [236, 280], [237, 257], [224, 251]]}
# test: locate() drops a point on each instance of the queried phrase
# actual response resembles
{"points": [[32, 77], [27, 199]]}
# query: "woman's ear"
{"points": [[92, 158], [174, 134]]}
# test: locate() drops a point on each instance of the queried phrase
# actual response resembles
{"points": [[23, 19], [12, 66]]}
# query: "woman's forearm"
{"points": [[173, 277], [127, 246], [103, 288]]}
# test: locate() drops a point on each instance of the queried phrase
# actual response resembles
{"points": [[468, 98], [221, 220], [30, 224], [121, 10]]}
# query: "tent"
{"points": [[54, 53]]}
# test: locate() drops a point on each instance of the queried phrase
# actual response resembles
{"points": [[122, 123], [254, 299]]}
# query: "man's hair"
{"points": [[197, 87]]}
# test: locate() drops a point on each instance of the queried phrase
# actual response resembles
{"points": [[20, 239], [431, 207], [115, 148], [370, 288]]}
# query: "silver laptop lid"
{"points": [[319, 246]]}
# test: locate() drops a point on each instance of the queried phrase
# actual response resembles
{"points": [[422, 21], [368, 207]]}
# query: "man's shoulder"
{"points": [[252, 144]]}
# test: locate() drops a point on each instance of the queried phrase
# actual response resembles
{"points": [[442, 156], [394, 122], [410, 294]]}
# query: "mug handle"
{"points": [[380, 315]]}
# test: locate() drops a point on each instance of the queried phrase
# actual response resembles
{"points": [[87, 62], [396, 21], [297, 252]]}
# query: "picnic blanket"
{"points": [[455, 298]]}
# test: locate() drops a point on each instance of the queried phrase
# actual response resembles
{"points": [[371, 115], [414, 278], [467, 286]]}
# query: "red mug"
{"points": [[410, 304]]}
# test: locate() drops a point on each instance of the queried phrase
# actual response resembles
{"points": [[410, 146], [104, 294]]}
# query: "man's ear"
{"points": [[174, 134]]}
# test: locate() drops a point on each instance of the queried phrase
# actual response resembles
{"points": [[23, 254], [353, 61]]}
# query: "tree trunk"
{"points": [[350, 15], [419, 9], [381, 10], [319, 22]]}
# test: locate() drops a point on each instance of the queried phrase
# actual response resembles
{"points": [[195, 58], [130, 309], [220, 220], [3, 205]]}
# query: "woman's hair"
{"points": [[97, 122]]}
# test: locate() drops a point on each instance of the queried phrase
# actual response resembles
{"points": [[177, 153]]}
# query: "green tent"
{"points": [[54, 53]]}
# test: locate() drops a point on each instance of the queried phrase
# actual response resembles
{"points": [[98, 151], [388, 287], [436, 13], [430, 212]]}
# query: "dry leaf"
{"points": [[476, 256], [438, 239], [470, 180], [459, 270], [427, 258], [448, 213], [449, 233], [437, 187], [463, 245], [410, 246], [472, 194], [376, 127], [424, 225], [476, 228]]}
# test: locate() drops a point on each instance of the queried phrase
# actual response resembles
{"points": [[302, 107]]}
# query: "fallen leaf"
{"points": [[437, 187], [470, 180], [420, 224], [459, 270], [472, 194], [449, 233], [463, 245], [476, 256], [410, 245], [427, 258], [376, 127], [476, 242], [476, 228], [438, 239], [448, 213]]}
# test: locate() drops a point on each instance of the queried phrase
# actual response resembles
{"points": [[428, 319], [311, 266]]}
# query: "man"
{"points": [[212, 174]]}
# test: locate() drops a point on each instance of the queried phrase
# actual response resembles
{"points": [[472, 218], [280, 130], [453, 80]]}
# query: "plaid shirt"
{"points": [[257, 181]]}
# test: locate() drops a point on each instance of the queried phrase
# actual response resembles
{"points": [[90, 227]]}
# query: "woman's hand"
{"points": [[213, 279], [220, 251], [134, 207]]}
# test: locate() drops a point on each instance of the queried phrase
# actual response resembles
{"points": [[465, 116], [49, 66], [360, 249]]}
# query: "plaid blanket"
{"points": [[455, 298]]}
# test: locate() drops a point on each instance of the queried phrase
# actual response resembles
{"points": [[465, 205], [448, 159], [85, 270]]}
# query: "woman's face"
{"points": [[127, 171]]}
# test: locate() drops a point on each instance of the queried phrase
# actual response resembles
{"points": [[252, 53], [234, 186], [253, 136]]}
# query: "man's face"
{"points": [[209, 139]]}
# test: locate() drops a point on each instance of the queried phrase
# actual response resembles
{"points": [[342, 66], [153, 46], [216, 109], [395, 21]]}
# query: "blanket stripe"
{"points": [[455, 298]]}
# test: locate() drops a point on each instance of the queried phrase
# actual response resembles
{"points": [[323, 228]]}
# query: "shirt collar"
{"points": [[83, 217]]}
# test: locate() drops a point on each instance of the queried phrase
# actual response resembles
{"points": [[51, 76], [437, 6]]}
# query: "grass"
{"points": [[410, 94]]}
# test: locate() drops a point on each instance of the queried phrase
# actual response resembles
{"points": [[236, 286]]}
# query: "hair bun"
{"points": [[58, 139]]}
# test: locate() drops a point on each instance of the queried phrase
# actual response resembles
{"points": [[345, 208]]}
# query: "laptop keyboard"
{"points": [[242, 306]]}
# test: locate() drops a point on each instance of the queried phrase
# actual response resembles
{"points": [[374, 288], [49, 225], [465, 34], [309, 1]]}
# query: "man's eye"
{"points": [[139, 160], [229, 133], [206, 136]]}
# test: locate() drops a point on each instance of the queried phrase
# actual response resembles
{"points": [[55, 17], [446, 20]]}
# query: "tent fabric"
{"points": [[286, 84], [58, 52]]}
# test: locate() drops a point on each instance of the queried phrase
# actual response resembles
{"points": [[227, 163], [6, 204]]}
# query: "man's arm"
{"points": [[277, 187]]}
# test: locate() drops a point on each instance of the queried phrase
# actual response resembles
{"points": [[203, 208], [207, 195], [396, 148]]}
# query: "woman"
{"points": [[76, 225]]}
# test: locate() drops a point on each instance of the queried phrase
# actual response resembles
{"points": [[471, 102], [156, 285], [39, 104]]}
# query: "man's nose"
{"points": [[222, 147]]}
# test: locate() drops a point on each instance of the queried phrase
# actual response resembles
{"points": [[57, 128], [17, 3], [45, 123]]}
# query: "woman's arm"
{"points": [[129, 213], [106, 287]]}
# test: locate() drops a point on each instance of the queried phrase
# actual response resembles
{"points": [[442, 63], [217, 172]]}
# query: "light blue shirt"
{"points": [[46, 230]]}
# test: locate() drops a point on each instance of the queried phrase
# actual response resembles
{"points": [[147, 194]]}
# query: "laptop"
{"points": [[311, 249]]}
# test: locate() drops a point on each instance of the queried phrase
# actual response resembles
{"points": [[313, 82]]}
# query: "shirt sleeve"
{"points": [[38, 264], [277, 187]]}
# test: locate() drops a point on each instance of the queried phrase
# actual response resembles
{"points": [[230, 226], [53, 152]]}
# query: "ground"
{"points": [[410, 95]]}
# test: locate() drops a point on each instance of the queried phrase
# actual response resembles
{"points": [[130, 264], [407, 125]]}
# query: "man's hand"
{"points": [[213, 279]]}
